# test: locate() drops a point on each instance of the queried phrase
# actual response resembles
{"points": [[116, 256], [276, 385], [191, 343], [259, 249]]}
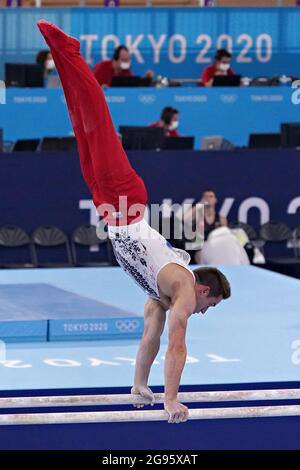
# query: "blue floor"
{"points": [[37, 301], [253, 337]]}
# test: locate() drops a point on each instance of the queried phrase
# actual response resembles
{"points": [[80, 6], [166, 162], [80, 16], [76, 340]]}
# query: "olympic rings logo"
{"points": [[147, 99], [228, 98], [127, 326]]}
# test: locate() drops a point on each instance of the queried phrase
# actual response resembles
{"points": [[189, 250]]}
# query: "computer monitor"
{"points": [[268, 140], [26, 145], [227, 80], [59, 144], [179, 143], [15, 75], [34, 76], [135, 81], [290, 134], [142, 138], [216, 142], [24, 75]]}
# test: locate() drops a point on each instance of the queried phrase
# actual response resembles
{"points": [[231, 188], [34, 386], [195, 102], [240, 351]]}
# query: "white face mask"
{"points": [[174, 125], [125, 65], [224, 67], [49, 64]]}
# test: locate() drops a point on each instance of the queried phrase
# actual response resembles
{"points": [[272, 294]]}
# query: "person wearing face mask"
{"points": [[118, 66], [169, 121], [45, 59], [220, 67]]}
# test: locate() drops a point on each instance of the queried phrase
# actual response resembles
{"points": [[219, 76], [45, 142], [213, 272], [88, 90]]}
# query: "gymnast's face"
{"points": [[204, 301]]}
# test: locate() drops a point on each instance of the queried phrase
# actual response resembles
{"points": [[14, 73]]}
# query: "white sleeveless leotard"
{"points": [[142, 252]]}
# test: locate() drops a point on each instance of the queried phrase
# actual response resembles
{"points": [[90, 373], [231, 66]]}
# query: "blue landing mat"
{"points": [[41, 312]]}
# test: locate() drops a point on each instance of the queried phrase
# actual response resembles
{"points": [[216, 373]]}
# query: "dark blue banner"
{"points": [[253, 186]]}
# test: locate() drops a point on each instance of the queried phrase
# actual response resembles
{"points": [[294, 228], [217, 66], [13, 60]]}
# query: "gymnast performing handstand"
{"points": [[120, 197]]}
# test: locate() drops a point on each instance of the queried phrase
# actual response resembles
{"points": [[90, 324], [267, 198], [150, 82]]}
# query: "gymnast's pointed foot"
{"points": [[145, 393], [54, 36]]}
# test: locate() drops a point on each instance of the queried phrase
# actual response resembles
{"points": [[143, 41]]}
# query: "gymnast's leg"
{"points": [[104, 163]]}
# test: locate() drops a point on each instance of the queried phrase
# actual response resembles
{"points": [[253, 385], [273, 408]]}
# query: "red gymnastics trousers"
{"points": [[119, 194]]}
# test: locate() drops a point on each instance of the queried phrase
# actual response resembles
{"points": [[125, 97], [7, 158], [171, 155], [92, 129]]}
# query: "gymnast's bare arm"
{"points": [[178, 284], [175, 358], [177, 293], [154, 322]]}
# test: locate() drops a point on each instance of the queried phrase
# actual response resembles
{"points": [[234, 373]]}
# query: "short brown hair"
{"points": [[222, 53], [41, 56], [214, 279]]}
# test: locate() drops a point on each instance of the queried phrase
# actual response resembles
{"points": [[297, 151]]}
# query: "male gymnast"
{"points": [[120, 197]]}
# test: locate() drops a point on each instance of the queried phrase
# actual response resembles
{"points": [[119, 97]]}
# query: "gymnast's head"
{"points": [[211, 288]]}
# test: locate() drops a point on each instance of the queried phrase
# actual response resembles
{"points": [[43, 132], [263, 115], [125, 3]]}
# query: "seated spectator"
{"points": [[212, 219], [169, 121], [45, 59], [220, 67], [214, 243], [118, 66], [207, 222]]}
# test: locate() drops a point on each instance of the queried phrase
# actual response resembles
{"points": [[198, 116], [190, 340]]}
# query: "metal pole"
{"points": [[135, 416], [123, 399]]}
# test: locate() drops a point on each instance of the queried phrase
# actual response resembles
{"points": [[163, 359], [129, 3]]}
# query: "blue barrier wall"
{"points": [[233, 113], [252, 186], [240, 434], [176, 42]]}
